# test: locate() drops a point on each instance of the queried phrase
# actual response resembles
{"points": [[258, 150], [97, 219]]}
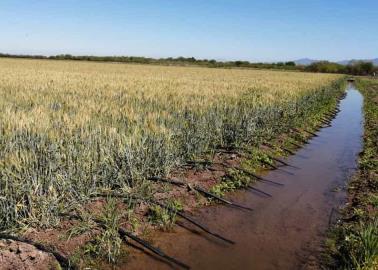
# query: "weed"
{"points": [[163, 217]]}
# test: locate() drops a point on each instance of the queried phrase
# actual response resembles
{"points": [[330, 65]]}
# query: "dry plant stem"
{"points": [[191, 220], [259, 191], [330, 116], [284, 149], [126, 234], [251, 174], [268, 164], [295, 144], [280, 161], [300, 140], [327, 122], [311, 133], [179, 213], [211, 195], [288, 151], [259, 178], [262, 161], [200, 190]]}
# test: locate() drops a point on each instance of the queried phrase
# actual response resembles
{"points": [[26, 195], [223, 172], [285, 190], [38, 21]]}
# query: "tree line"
{"points": [[357, 68]]}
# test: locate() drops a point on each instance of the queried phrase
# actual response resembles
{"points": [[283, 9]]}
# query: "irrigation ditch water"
{"points": [[286, 230]]}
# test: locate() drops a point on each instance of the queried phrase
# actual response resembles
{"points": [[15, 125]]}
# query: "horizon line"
{"points": [[181, 56]]}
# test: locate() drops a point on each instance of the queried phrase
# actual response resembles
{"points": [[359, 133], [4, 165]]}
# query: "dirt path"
{"points": [[285, 231]]}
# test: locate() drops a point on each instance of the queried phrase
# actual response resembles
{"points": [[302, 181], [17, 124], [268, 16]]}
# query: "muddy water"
{"points": [[285, 231]]}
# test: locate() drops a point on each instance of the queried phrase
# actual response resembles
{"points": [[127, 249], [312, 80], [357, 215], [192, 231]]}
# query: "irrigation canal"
{"points": [[285, 231]]}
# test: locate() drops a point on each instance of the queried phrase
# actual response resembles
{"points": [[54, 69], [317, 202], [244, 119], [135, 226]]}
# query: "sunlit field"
{"points": [[70, 129], [188, 135]]}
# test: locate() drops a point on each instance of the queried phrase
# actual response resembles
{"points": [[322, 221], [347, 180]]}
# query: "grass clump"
{"points": [[163, 217], [356, 246], [107, 244], [234, 180], [105, 240]]}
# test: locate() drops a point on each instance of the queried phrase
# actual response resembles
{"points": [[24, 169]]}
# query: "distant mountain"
{"points": [[348, 62], [344, 62], [305, 61]]}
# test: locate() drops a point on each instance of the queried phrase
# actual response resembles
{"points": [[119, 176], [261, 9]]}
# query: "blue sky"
{"points": [[219, 29]]}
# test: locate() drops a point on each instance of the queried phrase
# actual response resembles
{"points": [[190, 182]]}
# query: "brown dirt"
{"points": [[58, 237], [22, 256]]}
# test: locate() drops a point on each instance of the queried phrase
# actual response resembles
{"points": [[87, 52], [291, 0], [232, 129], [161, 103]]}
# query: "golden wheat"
{"points": [[70, 128]]}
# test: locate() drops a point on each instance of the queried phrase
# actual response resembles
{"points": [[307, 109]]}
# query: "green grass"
{"points": [[164, 218], [353, 243]]}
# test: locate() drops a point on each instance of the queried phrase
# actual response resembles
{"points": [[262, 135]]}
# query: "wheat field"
{"points": [[69, 129]]}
